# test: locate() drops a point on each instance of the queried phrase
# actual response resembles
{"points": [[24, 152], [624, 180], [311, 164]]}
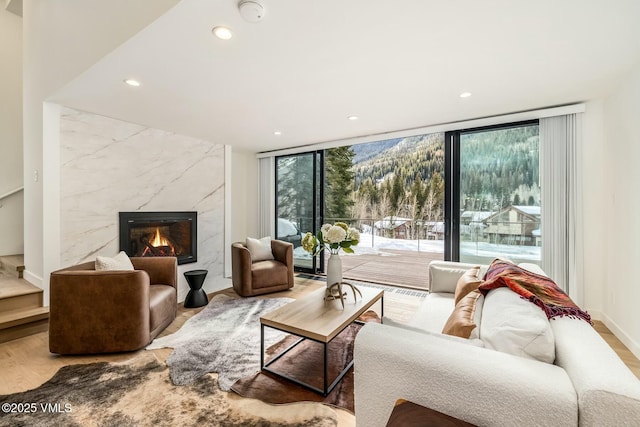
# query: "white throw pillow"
{"points": [[260, 249], [118, 262], [511, 324]]}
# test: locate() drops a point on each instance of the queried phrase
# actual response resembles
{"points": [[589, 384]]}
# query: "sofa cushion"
{"points": [[433, 312], [444, 275], [265, 274], [390, 322], [468, 282], [260, 249], [514, 325], [465, 318], [119, 262]]}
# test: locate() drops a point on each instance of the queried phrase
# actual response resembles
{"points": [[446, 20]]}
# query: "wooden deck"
{"points": [[390, 266]]}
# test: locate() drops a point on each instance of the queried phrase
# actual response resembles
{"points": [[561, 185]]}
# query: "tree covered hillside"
{"points": [[500, 168], [404, 177], [407, 157]]}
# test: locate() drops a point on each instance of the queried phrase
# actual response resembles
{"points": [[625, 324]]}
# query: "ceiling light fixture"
{"points": [[223, 33], [132, 82], [277, 133], [352, 118], [465, 94]]}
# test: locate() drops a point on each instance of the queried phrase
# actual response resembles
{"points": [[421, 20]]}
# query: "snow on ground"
{"points": [[376, 245]]}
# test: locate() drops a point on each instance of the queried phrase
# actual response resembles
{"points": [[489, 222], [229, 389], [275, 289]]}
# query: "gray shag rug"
{"points": [[138, 392], [224, 338]]}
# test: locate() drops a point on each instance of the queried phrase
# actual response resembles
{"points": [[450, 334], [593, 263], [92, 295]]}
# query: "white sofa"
{"points": [[588, 384]]}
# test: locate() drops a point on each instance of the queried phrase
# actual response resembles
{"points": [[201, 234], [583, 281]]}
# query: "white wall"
{"points": [[109, 166], [243, 197], [61, 40], [244, 193], [621, 210], [11, 211]]}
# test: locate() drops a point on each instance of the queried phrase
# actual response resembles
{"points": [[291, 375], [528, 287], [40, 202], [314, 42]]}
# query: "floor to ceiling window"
{"points": [[470, 195], [391, 191], [299, 202], [495, 194]]}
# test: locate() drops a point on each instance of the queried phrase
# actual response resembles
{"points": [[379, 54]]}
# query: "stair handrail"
{"points": [[12, 192]]}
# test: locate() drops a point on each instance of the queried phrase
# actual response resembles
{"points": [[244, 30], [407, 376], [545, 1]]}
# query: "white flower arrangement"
{"points": [[332, 237]]}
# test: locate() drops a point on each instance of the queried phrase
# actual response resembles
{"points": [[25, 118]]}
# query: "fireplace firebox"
{"points": [[160, 234]]}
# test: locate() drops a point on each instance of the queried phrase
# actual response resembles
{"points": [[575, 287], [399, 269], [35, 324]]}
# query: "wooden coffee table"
{"points": [[313, 318]]}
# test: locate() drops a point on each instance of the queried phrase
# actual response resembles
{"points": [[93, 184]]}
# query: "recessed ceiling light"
{"points": [[222, 33], [132, 82], [465, 94], [352, 118], [277, 133]]}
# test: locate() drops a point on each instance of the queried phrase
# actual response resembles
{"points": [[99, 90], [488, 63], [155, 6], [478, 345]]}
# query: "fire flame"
{"points": [[157, 245], [159, 240]]}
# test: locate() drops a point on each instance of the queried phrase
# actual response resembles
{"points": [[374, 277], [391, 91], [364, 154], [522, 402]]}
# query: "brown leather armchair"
{"points": [[261, 277], [111, 311]]}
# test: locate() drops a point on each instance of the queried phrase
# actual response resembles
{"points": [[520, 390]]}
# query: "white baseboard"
{"points": [[32, 278], [629, 342]]}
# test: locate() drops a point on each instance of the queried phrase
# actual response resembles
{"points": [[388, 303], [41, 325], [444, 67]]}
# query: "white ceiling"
{"points": [[397, 64]]}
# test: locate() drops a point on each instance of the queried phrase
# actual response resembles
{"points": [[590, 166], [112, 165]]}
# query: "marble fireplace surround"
{"points": [[109, 166]]}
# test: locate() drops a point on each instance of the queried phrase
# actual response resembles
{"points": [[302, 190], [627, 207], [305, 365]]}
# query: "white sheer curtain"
{"points": [[266, 196], [561, 181]]}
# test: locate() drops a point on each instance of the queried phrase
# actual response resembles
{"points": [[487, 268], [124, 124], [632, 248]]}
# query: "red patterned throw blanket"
{"points": [[535, 288]]}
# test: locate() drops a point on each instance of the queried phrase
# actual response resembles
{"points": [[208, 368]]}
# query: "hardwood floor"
{"points": [[26, 363]]}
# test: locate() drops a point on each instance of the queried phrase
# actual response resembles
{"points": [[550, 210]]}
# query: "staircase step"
{"points": [[23, 322], [13, 265], [21, 310], [18, 294], [13, 318]]}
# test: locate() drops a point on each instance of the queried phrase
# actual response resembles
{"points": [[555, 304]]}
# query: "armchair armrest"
{"points": [[282, 251], [240, 268], [98, 311], [161, 270], [474, 384]]}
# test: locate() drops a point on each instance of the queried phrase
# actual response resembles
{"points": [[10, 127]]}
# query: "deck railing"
{"points": [[519, 233]]}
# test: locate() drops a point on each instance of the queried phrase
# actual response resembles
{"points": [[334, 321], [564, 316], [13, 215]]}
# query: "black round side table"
{"points": [[196, 297]]}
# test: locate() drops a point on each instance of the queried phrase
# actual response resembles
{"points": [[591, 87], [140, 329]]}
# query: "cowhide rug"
{"points": [[138, 392], [224, 338]]}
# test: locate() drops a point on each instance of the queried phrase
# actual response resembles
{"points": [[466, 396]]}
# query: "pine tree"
{"points": [[339, 182], [294, 198], [418, 192], [397, 194]]}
